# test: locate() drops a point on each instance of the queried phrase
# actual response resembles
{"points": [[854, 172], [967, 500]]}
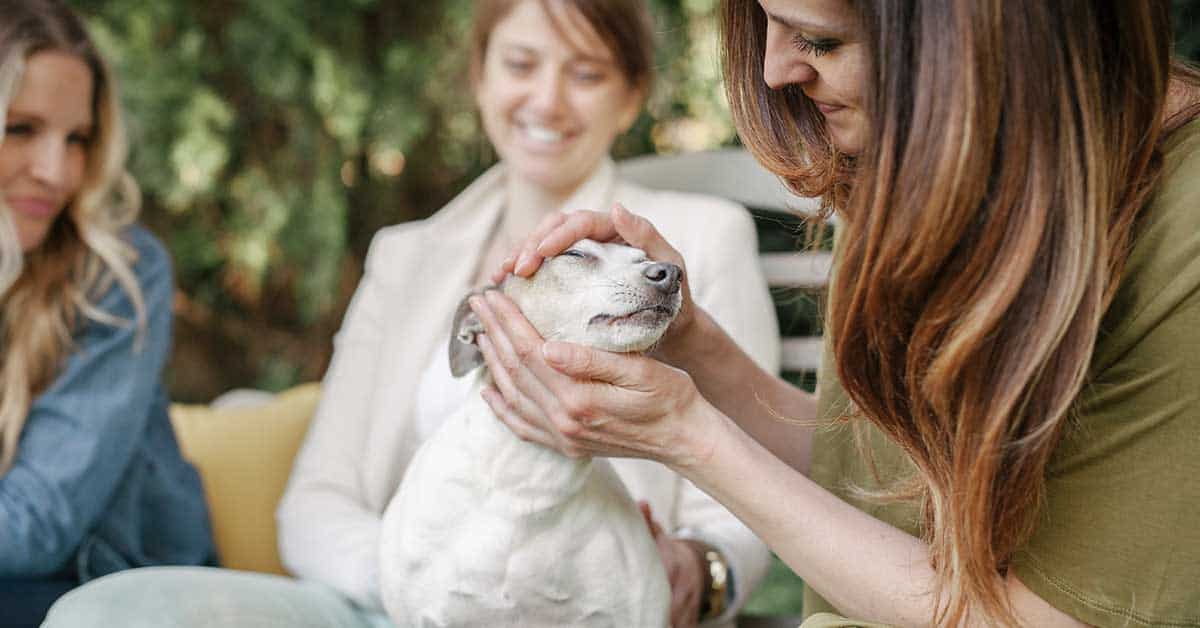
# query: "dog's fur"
{"points": [[490, 530]]}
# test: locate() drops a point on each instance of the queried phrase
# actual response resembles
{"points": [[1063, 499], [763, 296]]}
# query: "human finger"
{"points": [[687, 585], [513, 357], [577, 226], [655, 529], [516, 400], [525, 254], [581, 362], [524, 429], [640, 233], [506, 267]]}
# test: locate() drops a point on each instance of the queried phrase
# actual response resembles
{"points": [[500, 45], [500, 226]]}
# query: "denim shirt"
{"points": [[98, 483]]}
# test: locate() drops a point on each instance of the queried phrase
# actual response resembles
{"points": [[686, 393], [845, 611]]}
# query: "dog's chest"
{"points": [[487, 527]]}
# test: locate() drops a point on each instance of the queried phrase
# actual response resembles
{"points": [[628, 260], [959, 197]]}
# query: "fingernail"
{"points": [[474, 302], [555, 352], [522, 261]]}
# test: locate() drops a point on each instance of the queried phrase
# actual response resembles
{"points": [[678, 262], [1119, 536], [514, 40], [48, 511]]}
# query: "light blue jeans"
{"points": [[201, 597]]}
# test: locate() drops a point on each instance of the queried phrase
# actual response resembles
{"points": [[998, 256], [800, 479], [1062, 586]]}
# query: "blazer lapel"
{"points": [[435, 262]]}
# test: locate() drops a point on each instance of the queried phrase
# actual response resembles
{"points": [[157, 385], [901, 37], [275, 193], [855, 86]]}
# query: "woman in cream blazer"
{"points": [[364, 436]]}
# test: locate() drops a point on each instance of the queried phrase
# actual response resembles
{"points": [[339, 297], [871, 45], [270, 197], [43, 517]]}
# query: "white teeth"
{"points": [[542, 134]]}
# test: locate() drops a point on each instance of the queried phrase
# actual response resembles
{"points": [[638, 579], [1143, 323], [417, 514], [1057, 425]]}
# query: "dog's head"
{"points": [[609, 296]]}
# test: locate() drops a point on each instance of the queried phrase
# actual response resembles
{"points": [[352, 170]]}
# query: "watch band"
{"points": [[714, 601]]}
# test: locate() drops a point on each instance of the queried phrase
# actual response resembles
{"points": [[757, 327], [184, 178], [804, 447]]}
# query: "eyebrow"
{"points": [[578, 56], [802, 25], [86, 127]]}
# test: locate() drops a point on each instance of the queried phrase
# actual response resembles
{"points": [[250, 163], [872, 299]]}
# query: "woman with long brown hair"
{"points": [[91, 479], [1006, 424]]}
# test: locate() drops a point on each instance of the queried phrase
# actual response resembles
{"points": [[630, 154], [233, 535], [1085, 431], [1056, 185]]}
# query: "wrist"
{"points": [[686, 343], [697, 445]]}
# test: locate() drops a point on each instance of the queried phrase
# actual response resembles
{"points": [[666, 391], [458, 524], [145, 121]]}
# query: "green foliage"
{"points": [[1187, 28], [272, 139]]}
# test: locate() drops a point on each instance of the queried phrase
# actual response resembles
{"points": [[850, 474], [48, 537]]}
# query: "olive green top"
{"points": [[1118, 541]]}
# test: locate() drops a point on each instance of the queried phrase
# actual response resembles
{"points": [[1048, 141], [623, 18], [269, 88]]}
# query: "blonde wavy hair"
{"points": [[46, 293]]}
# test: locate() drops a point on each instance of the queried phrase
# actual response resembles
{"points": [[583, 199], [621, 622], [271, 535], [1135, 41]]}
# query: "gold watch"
{"points": [[713, 603]]}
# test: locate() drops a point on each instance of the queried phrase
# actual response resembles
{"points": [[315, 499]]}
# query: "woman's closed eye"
{"points": [[815, 47], [18, 129], [518, 66], [588, 74]]}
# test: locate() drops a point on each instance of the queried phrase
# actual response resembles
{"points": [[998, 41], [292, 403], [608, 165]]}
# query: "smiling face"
{"points": [[818, 46], [551, 95], [43, 156]]}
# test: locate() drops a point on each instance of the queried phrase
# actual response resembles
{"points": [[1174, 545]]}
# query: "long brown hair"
{"points": [[986, 223], [47, 292]]}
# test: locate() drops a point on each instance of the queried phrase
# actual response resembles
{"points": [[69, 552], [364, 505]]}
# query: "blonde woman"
{"points": [[1008, 410], [91, 479]]}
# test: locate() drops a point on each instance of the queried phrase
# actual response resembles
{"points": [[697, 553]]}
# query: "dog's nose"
{"points": [[664, 277]]}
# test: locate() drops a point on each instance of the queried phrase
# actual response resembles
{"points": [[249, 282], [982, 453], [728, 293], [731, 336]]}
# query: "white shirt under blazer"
{"points": [[363, 434]]}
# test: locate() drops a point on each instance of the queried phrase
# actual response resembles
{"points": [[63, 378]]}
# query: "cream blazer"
{"points": [[362, 439]]}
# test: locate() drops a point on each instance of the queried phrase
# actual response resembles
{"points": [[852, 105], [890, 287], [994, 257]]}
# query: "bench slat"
{"points": [[809, 269], [801, 353]]}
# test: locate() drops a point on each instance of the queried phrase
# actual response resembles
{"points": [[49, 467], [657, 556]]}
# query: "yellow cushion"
{"points": [[244, 456]]}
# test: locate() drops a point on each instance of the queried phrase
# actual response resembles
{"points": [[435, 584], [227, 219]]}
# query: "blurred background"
{"points": [[272, 138]]}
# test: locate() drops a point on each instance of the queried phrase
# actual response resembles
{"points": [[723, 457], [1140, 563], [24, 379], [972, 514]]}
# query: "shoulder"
{"points": [[152, 266], [152, 271], [1159, 290], [152, 259], [391, 247], [1181, 165], [1166, 250], [478, 203]]}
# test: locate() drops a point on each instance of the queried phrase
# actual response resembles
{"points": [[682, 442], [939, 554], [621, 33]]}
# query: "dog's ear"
{"points": [[464, 353]]}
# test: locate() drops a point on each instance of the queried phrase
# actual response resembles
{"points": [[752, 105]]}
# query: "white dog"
{"points": [[490, 530]]}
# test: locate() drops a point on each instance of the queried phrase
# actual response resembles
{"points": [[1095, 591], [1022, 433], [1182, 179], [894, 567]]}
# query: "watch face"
{"points": [[718, 595]]}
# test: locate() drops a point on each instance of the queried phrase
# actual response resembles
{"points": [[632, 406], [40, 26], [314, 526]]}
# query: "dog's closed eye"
{"points": [[577, 254]]}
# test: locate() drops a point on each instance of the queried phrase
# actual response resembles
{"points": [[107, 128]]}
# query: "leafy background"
{"points": [[273, 138]]}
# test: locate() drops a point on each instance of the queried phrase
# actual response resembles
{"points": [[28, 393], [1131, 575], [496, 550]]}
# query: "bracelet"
{"points": [[713, 603]]}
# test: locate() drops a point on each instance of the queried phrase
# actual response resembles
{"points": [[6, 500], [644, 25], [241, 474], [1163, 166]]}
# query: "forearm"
{"points": [[867, 569], [824, 540], [770, 409]]}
